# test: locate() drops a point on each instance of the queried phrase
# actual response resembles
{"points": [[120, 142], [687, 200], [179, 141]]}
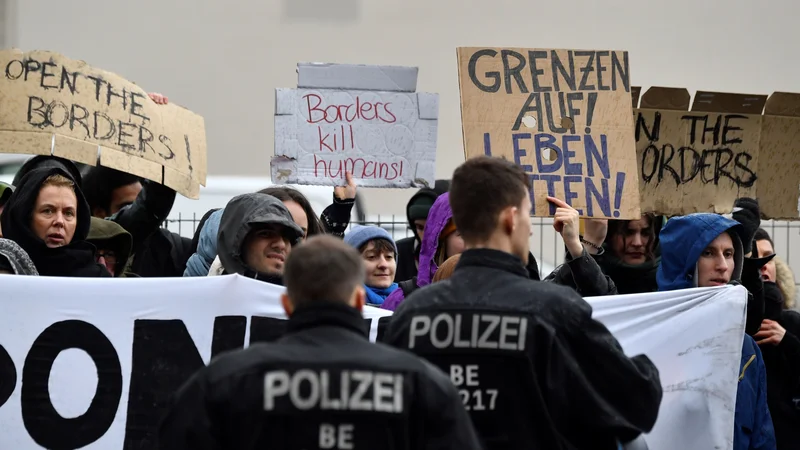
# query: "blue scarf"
{"points": [[376, 296]]}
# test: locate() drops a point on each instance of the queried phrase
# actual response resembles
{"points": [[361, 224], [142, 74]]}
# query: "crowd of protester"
{"points": [[469, 253]]}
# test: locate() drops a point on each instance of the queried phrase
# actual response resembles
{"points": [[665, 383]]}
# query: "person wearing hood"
{"points": [[204, 244], [627, 251], [14, 260], [113, 245], [5, 193], [49, 218], [779, 341], [333, 220], [140, 206], [705, 250], [417, 209], [256, 234], [440, 240], [379, 253]]}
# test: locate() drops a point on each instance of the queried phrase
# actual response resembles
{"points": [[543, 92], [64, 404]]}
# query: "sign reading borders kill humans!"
{"points": [[53, 105], [563, 115], [366, 120], [703, 159]]}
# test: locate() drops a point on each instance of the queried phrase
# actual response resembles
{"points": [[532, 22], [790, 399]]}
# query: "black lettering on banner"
{"points": [[165, 356], [43, 423], [266, 329], [229, 334], [383, 325], [8, 376]]}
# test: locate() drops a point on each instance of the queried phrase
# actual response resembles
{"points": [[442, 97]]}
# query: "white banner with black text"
{"points": [[91, 363]]}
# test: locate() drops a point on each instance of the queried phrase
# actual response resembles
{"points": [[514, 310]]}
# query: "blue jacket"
{"points": [[683, 240], [199, 264]]}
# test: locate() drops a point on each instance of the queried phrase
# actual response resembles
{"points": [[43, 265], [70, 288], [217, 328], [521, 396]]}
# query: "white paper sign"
{"points": [[384, 138], [84, 361]]}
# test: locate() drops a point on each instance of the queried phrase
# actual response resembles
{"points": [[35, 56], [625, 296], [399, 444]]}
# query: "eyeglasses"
{"points": [[109, 255]]}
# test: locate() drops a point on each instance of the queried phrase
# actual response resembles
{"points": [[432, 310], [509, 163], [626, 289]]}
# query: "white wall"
{"points": [[223, 59]]}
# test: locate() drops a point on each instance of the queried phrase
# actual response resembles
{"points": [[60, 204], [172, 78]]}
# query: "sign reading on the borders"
{"points": [[703, 159], [366, 120], [53, 105], [563, 115]]}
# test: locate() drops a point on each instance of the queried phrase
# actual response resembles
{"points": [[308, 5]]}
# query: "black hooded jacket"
{"points": [[387, 398], [534, 368], [783, 370], [408, 248], [77, 259], [243, 214]]}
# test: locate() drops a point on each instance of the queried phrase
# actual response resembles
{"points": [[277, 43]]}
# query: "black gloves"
{"points": [[750, 218]]}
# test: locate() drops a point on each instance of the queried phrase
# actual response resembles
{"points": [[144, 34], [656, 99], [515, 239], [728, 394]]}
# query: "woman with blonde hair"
{"points": [[47, 215]]}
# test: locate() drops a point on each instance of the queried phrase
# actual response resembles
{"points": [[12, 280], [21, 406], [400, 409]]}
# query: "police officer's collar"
{"points": [[495, 259], [332, 314]]}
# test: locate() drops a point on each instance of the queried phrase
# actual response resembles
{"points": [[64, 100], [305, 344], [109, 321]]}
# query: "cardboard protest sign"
{"points": [[53, 105], [724, 148], [366, 120], [560, 114], [80, 371]]}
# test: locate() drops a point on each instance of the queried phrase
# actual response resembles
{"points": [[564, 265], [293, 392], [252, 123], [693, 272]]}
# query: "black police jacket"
{"points": [[321, 385], [533, 368]]}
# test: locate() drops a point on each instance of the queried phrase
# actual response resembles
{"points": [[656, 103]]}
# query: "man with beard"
{"points": [[256, 234]]}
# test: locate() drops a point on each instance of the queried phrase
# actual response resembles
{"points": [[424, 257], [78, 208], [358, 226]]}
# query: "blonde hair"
{"points": [[58, 180]]}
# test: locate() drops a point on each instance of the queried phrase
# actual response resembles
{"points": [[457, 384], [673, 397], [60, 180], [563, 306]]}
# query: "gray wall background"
{"points": [[223, 59]]}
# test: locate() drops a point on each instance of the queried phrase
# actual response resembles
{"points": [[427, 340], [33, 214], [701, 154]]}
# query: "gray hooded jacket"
{"points": [[243, 214]]}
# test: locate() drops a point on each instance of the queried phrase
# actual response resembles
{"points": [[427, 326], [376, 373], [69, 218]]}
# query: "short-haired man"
{"points": [[532, 366], [323, 384], [705, 250]]}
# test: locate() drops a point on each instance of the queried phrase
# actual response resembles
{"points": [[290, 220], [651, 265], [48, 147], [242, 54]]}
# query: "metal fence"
{"points": [[546, 244]]}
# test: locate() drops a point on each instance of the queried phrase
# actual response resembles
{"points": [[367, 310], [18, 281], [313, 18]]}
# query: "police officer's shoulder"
{"points": [[424, 297]]}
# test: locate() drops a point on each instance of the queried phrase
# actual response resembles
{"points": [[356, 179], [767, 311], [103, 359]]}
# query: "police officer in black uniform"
{"points": [[323, 385], [533, 368]]}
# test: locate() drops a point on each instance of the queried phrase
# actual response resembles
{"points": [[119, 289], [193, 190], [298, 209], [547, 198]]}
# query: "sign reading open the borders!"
{"points": [[53, 105], [563, 116]]}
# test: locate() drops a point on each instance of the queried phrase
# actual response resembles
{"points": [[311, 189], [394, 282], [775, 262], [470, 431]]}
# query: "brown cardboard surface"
{"points": [[723, 149], [526, 104], [779, 166], [50, 104]]}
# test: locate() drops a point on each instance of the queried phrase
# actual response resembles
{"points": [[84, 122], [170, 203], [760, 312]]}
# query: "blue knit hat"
{"points": [[361, 234]]}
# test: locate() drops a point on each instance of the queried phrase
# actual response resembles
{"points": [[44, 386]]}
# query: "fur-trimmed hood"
{"points": [[785, 278]]}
